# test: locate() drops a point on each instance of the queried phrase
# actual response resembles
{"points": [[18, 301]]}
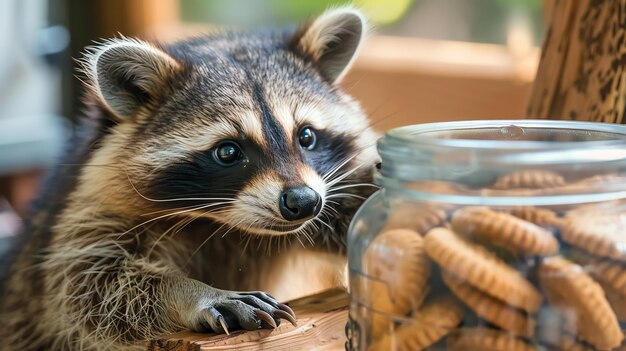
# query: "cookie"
{"points": [[481, 269], [601, 179], [569, 287], [504, 230], [617, 302], [418, 217], [491, 309], [612, 277], [597, 209], [521, 192], [609, 273], [534, 179], [430, 324], [539, 216], [485, 339], [601, 235], [568, 343], [438, 187], [398, 270]]}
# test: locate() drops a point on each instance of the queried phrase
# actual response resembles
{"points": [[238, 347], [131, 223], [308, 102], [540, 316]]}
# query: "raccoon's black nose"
{"points": [[300, 203]]}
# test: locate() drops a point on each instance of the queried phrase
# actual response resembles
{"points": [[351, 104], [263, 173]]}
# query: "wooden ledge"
{"points": [[321, 326]]}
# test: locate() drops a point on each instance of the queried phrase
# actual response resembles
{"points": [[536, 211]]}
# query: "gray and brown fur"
{"points": [[142, 230]]}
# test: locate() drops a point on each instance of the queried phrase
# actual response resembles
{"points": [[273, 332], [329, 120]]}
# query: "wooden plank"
{"points": [[321, 326], [581, 73]]}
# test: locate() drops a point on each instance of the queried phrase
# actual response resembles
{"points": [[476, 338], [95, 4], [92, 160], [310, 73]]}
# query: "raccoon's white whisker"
{"points": [[237, 224], [163, 235], [175, 199], [337, 167], [206, 240], [213, 211], [331, 208], [286, 242], [167, 215], [300, 241], [333, 189], [305, 232], [342, 176], [247, 243], [324, 223], [86, 165], [340, 195], [328, 214], [169, 209], [177, 223]]}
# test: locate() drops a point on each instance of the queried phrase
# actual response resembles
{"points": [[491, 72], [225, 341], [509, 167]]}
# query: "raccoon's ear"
{"points": [[128, 75], [331, 41]]}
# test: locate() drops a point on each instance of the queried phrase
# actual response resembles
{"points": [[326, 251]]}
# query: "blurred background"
{"points": [[428, 60]]}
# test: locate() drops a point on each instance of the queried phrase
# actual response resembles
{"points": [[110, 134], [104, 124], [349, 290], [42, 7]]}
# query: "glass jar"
{"points": [[492, 235]]}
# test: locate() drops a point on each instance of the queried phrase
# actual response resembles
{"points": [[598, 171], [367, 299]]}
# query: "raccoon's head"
{"points": [[249, 129]]}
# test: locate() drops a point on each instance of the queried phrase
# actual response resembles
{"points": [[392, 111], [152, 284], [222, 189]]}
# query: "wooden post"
{"points": [[581, 73]]}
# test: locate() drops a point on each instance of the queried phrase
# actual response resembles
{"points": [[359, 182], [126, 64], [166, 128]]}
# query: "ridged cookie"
{"points": [[529, 179], [504, 230], [485, 339], [596, 209], [539, 216], [610, 273], [481, 269], [617, 302], [601, 235], [398, 271], [612, 277], [491, 309], [568, 343], [435, 320], [569, 287], [418, 217]]}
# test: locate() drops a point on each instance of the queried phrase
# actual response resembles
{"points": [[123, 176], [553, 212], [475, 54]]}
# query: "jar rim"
{"points": [[438, 152], [406, 135]]}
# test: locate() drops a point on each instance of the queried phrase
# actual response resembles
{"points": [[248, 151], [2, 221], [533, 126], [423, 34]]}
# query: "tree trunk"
{"points": [[581, 73]]}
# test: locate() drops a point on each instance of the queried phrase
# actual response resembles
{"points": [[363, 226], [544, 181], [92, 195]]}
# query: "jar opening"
{"points": [[474, 154], [510, 134]]}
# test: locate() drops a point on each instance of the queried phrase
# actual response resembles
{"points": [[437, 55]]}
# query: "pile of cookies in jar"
{"points": [[442, 276]]}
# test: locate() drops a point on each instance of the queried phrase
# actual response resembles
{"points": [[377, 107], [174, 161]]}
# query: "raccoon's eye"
{"points": [[307, 138], [227, 153]]}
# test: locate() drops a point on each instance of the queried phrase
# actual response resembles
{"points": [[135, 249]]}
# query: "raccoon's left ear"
{"points": [[331, 41], [128, 75]]}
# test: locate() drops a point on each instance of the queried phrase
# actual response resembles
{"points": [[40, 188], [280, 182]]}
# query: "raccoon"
{"points": [[202, 169]]}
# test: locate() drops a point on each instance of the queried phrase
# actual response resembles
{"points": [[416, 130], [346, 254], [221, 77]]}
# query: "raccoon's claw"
{"points": [[223, 324], [265, 317], [245, 310], [213, 320], [288, 313], [287, 316], [288, 309]]}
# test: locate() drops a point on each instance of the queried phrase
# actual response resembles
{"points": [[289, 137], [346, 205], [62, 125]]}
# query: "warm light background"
{"points": [[427, 60]]}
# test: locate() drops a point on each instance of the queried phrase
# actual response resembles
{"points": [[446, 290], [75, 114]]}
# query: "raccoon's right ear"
{"points": [[128, 75], [332, 41]]}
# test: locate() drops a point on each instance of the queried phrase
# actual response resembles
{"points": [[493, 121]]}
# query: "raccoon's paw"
{"points": [[243, 310]]}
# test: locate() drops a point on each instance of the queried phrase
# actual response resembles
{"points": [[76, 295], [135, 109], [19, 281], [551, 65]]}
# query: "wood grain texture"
{"points": [[581, 72], [321, 326]]}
